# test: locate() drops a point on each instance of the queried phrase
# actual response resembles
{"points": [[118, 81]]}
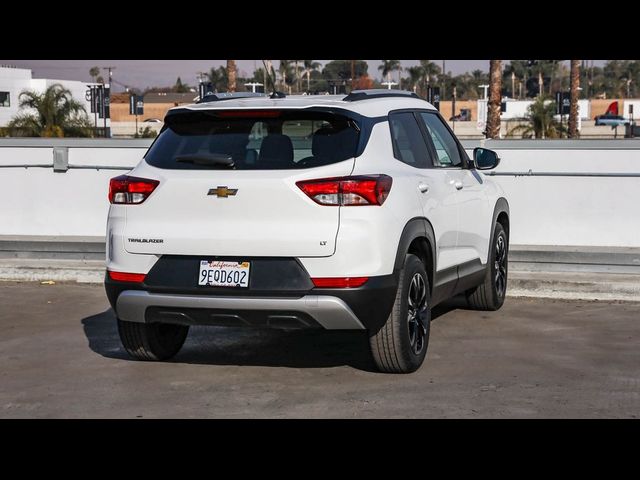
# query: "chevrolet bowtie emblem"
{"points": [[223, 192]]}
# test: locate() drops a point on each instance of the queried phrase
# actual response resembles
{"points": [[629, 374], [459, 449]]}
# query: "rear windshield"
{"points": [[259, 140]]}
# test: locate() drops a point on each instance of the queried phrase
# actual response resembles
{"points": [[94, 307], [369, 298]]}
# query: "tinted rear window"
{"points": [[262, 140]]}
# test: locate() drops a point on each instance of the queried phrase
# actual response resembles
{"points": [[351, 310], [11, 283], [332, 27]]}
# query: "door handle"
{"points": [[458, 185], [423, 187]]}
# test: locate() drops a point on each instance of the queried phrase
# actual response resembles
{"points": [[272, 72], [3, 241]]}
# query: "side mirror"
{"points": [[485, 159]]}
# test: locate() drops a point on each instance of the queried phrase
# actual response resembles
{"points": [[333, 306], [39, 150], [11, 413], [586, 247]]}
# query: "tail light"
{"points": [[130, 190], [348, 191], [127, 277], [339, 282]]}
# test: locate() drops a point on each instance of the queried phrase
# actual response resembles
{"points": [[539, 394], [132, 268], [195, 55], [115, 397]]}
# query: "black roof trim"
{"points": [[217, 97], [358, 95]]}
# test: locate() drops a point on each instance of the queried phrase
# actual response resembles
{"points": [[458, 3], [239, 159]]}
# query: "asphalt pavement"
{"points": [[60, 357]]}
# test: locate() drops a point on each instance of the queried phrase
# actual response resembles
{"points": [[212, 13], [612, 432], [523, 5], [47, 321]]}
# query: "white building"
{"points": [[15, 80], [519, 109]]}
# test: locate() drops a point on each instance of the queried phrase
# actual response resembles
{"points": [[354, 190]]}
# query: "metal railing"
{"points": [[531, 173], [68, 167]]}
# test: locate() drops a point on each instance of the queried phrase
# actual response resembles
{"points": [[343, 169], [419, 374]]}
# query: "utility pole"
{"points": [[453, 107], [484, 87], [353, 74], [110, 69], [444, 72], [513, 84]]}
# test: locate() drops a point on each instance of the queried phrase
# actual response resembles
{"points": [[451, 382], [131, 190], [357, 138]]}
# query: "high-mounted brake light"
{"points": [[127, 277], [249, 113], [130, 190], [339, 282], [348, 191]]}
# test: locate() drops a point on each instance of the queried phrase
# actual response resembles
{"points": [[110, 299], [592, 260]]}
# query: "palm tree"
{"points": [[54, 113], [416, 74], [94, 72], [231, 75], [286, 73], [297, 74], [541, 121], [389, 66], [493, 107], [309, 67], [431, 70], [573, 111], [218, 78]]}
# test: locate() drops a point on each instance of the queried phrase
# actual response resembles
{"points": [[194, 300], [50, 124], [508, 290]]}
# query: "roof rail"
{"points": [[357, 95], [216, 97]]}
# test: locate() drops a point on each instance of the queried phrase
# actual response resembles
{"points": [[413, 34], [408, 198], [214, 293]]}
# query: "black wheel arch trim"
{"points": [[417, 227], [502, 206]]}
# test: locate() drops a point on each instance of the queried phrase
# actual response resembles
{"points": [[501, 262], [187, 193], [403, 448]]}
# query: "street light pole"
{"points": [[253, 85], [453, 107]]}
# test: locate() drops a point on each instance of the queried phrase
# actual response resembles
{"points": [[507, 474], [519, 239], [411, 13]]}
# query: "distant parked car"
{"points": [[612, 120], [153, 120]]}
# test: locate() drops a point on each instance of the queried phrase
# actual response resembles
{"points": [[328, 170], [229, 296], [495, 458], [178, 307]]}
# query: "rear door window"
{"points": [[407, 140], [259, 140]]}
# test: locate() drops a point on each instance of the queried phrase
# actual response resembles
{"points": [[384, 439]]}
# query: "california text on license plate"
{"points": [[224, 274]]}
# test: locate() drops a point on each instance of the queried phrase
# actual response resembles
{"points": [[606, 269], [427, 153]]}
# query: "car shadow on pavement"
{"points": [[458, 302], [246, 346]]}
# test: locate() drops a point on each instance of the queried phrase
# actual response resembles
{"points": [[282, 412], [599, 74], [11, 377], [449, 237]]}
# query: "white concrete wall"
{"points": [[39, 201], [585, 211], [517, 109], [544, 210]]}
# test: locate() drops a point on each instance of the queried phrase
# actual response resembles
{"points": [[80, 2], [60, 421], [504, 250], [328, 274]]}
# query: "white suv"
{"points": [[337, 212]]}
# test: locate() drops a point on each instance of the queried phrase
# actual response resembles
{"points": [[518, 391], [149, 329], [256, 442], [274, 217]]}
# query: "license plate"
{"points": [[224, 274]]}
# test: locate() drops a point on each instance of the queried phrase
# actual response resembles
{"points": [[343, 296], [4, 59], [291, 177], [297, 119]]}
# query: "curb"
{"points": [[559, 285]]}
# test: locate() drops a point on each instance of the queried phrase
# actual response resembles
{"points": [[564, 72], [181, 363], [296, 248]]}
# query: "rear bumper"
{"points": [[280, 294], [329, 312]]}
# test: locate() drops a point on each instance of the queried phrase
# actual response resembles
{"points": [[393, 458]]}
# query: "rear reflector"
{"points": [[348, 191], [130, 190], [127, 277], [339, 282]]}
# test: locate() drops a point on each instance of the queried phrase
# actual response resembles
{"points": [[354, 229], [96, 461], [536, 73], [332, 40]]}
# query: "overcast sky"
{"points": [[147, 73]]}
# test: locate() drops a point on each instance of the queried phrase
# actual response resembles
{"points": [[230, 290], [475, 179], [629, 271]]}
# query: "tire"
{"points": [[400, 346], [152, 341], [490, 295]]}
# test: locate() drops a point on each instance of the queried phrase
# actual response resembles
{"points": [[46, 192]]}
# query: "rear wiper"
{"points": [[210, 159]]}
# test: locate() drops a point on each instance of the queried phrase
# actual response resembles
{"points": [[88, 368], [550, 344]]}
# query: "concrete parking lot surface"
{"points": [[60, 357]]}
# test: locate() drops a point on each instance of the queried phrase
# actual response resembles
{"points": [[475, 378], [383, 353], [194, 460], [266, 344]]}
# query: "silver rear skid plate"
{"points": [[330, 312]]}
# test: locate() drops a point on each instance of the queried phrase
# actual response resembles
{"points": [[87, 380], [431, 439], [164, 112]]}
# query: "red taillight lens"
{"points": [[339, 282], [348, 191], [130, 190], [127, 277]]}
